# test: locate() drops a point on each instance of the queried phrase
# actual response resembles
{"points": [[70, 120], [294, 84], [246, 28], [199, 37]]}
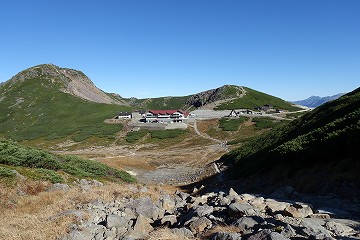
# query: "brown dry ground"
{"points": [[152, 160], [37, 215], [155, 162]]}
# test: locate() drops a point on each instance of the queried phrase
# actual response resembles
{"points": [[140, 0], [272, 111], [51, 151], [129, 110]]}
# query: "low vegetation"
{"points": [[134, 136], [48, 166], [327, 136], [231, 124], [266, 122]]}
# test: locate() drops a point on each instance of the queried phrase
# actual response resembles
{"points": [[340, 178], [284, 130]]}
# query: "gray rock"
{"points": [[58, 187], [110, 234], [79, 235], [183, 232], [312, 229], [170, 219], [224, 201], [246, 223], [232, 194], [288, 231], [273, 207], [240, 209], [204, 210], [117, 221], [182, 195], [319, 215], [167, 203], [226, 236], [339, 229], [199, 225], [298, 211], [258, 203], [246, 197], [90, 232], [144, 206], [267, 235], [141, 229], [96, 183]]}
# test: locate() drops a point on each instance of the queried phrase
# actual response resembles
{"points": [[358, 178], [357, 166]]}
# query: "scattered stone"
{"points": [[117, 221], [58, 187], [298, 211], [204, 210], [183, 232], [339, 229], [170, 219], [267, 235], [288, 231], [141, 229], [319, 215], [145, 206], [226, 236], [312, 229], [238, 210], [200, 225], [273, 207], [232, 193], [246, 223], [167, 203]]}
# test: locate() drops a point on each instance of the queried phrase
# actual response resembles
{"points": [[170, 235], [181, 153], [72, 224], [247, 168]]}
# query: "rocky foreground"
{"points": [[219, 216]]}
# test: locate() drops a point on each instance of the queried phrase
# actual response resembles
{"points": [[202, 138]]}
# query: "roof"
{"points": [[167, 112]]}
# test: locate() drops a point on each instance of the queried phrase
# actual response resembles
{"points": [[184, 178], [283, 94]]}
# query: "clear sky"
{"points": [[149, 48]]}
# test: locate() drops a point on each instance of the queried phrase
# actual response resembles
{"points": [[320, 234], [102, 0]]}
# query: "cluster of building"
{"points": [[155, 116]]}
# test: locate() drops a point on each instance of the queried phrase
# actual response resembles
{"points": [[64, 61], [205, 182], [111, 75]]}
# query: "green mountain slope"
{"points": [[324, 142], [35, 107], [231, 97]]}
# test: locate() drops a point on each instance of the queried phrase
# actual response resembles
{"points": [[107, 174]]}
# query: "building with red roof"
{"points": [[165, 116]]}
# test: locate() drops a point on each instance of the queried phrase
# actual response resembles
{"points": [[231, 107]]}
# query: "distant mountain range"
{"points": [[315, 101]]}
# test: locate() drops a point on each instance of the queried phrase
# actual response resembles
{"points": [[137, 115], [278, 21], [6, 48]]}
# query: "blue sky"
{"points": [[151, 48]]}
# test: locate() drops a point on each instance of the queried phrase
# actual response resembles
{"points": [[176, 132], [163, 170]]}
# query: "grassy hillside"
{"points": [[253, 99], [36, 108], [39, 164], [163, 103], [326, 141]]}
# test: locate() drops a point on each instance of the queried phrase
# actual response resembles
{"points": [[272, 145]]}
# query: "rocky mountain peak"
{"points": [[70, 81], [213, 95]]}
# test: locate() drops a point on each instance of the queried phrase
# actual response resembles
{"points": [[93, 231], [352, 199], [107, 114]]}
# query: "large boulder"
{"points": [[145, 206], [339, 229], [183, 232], [167, 203], [200, 224], [313, 229], [141, 228], [226, 236], [238, 210], [298, 211], [171, 219], [273, 207], [117, 221], [246, 223], [267, 235], [204, 210]]}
